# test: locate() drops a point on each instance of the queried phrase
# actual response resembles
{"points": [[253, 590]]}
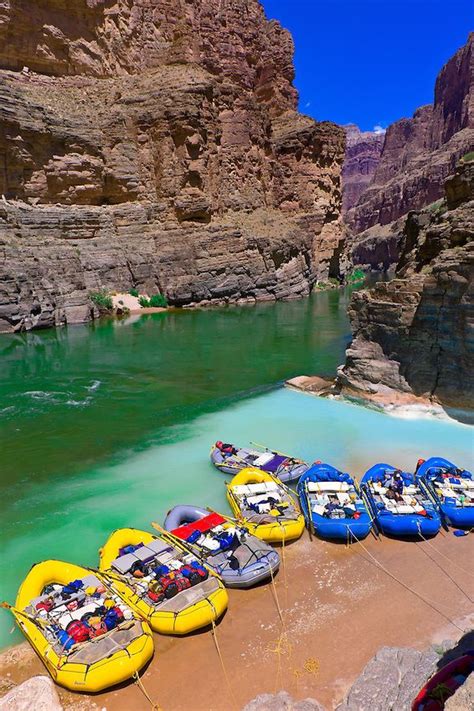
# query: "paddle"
{"points": [[275, 451], [426, 488], [310, 517], [15, 611], [375, 527]]}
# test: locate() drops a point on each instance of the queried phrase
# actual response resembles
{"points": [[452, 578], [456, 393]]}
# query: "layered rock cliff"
{"points": [[156, 144], [414, 335], [363, 149], [418, 155]]}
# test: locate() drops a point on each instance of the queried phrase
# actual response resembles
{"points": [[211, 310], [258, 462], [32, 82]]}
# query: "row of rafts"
{"points": [[92, 628]]}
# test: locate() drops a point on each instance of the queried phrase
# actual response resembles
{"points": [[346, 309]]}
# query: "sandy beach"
{"points": [[338, 608]]}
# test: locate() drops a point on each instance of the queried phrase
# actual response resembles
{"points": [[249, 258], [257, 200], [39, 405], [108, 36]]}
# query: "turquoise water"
{"points": [[122, 417]]}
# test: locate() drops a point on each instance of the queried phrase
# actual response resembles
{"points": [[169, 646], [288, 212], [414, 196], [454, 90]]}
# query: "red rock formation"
{"points": [[363, 149], [413, 335], [156, 144], [421, 152]]}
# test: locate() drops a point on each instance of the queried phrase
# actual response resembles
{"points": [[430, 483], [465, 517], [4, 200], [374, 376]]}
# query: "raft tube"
{"points": [[89, 666], [425, 523], [283, 467], [443, 684], [239, 558], [248, 493], [325, 479], [430, 473], [190, 610]]}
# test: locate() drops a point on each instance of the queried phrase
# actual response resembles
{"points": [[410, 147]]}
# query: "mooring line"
{"points": [[445, 572], [226, 676], [408, 587], [139, 683]]}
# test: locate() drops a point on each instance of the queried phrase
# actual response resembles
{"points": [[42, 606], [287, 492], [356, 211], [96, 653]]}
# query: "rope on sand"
{"points": [[466, 572], [139, 683], [285, 581], [276, 596], [221, 659], [408, 587], [444, 571]]}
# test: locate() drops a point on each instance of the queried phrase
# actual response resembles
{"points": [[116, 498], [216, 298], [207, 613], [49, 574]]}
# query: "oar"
{"points": [[310, 517], [435, 501], [275, 451], [15, 611], [110, 576], [227, 518], [171, 538], [231, 465], [375, 527]]}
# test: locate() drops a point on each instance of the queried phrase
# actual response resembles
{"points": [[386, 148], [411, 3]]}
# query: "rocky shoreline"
{"points": [[387, 400]]}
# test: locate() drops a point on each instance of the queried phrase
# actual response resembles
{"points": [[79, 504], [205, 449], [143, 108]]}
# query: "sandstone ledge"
{"points": [[380, 398]]}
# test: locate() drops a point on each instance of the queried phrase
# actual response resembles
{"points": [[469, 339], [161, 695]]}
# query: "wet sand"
{"points": [[338, 609]]}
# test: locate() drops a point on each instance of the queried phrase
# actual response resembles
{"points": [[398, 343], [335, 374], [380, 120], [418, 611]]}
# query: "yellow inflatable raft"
{"points": [[162, 581], [266, 506], [109, 656]]}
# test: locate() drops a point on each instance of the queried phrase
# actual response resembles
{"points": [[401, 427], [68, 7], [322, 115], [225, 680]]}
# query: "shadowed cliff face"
{"points": [[420, 153], [363, 149], [414, 334], [156, 144]]}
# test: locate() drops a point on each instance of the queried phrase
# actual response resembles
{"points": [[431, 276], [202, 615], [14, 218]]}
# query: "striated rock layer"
{"points": [[156, 144], [414, 335], [417, 157], [363, 149]]}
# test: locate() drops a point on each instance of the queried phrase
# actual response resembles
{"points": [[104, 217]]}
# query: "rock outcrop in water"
{"points": [[414, 335], [156, 144], [417, 157], [363, 149]]}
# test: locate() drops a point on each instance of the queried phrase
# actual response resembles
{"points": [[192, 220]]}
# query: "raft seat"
{"points": [[264, 459], [331, 486], [145, 554], [257, 488]]}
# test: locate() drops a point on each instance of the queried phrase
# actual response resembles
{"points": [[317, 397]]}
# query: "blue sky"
{"points": [[370, 62]]}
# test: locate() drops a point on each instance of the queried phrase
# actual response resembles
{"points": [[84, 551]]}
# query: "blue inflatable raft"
{"points": [[331, 504], [451, 488], [398, 504]]}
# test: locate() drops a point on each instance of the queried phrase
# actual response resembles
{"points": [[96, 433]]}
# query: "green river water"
{"points": [[110, 424]]}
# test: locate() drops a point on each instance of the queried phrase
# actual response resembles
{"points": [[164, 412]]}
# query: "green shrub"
{"points": [[158, 301], [133, 292], [356, 276], [468, 157], [102, 300], [155, 301]]}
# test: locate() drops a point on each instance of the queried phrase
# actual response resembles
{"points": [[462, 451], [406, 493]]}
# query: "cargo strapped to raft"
{"points": [[203, 525]]}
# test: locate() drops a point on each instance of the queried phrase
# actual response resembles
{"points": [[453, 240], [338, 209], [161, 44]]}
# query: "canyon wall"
{"points": [[414, 335], [417, 157], [156, 144], [363, 149]]}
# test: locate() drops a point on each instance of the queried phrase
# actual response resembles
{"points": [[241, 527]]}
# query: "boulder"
{"points": [[281, 702], [391, 680], [35, 694]]}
